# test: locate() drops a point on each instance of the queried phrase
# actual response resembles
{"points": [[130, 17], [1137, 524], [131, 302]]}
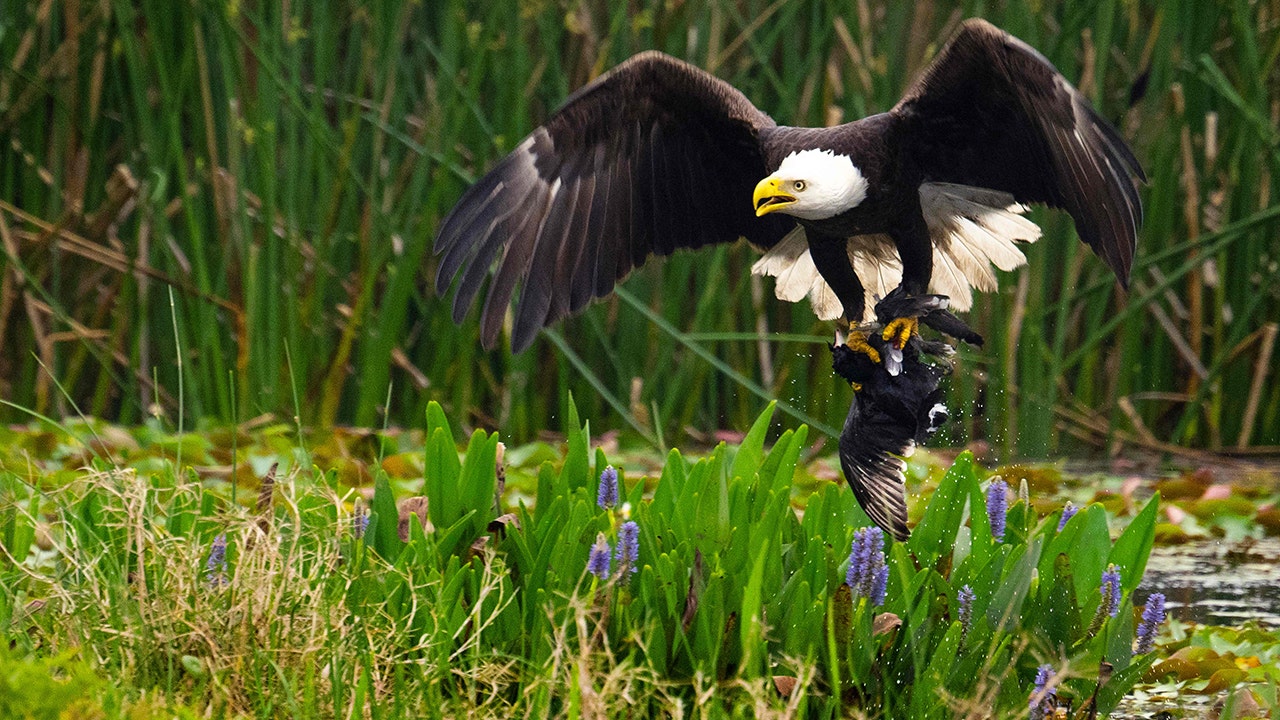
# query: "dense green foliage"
{"points": [[281, 168], [297, 607]]}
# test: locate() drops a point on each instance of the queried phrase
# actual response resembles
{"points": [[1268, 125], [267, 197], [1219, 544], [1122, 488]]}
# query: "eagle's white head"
{"points": [[812, 185]]}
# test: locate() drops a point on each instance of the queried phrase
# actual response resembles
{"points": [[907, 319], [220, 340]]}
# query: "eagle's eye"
{"points": [[798, 185]]}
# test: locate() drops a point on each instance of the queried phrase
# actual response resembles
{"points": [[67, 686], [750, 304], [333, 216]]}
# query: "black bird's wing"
{"points": [[872, 445], [992, 112], [653, 156]]}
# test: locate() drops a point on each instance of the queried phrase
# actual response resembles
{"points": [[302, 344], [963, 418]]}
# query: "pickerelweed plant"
{"points": [[710, 592]]}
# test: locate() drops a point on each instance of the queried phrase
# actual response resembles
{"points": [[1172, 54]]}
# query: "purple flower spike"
{"points": [[964, 611], [879, 584], [868, 575], [216, 568], [1109, 605], [1068, 511], [598, 562], [997, 507], [1042, 701], [859, 560], [359, 523], [1110, 590], [1152, 616], [629, 546], [607, 493]]}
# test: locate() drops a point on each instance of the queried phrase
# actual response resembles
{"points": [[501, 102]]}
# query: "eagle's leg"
{"points": [[915, 248], [831, 257]]}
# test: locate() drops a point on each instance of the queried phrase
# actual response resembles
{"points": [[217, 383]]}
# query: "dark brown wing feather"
{"points": [[992, 112], [652, 157], [872, 445]]}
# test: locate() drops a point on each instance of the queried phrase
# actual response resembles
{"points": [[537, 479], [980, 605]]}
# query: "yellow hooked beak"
{"points": [[769, 196]]}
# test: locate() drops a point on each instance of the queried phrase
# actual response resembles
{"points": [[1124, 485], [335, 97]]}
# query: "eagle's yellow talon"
{"points": [[858, 343], [857, 386], [899, 331]]}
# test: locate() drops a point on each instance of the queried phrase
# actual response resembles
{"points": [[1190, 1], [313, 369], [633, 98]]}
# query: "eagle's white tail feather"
{"points": [[962, 243], [795, 283], [978, 240], [987, 222], [875, 260], [792, 266], [950, 279], [1005, 255], [781, 256], [796, 275], [972, 229], [824, 301]]}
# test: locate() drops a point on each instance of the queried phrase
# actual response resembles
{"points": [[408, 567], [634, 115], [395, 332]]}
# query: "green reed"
{"points": [[284, 167]]}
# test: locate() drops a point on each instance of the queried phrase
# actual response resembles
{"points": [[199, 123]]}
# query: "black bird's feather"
{"points": [[932, 311]]}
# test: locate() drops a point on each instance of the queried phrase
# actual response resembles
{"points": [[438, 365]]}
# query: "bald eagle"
{"points": [[657, 155]]}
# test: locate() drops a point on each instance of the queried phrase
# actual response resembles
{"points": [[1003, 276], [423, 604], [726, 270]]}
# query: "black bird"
{"points": [[896, 404], [658, 155]]}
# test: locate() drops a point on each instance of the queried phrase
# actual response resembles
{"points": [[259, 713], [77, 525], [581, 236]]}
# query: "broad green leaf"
{"points": [[441, 477], [708, 627], [381, 534], [670, 485], [576, 473], [752, 624], [477, 481], [710, 505], [750, 454], [436, 420], [1088, 551], [1133, 547], [981, 542], [548, 492], [930, 685], [785, 473], [1120, 634], [937, 530], [1060, 618], [1005, 609]]}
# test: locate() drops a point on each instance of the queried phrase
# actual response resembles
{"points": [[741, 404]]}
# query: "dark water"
{"points": [[1214, 582], [1218, 583]]}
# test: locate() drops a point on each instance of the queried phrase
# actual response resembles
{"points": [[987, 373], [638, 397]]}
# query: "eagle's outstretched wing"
{"points": [[653, 156], [992, 112]]}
